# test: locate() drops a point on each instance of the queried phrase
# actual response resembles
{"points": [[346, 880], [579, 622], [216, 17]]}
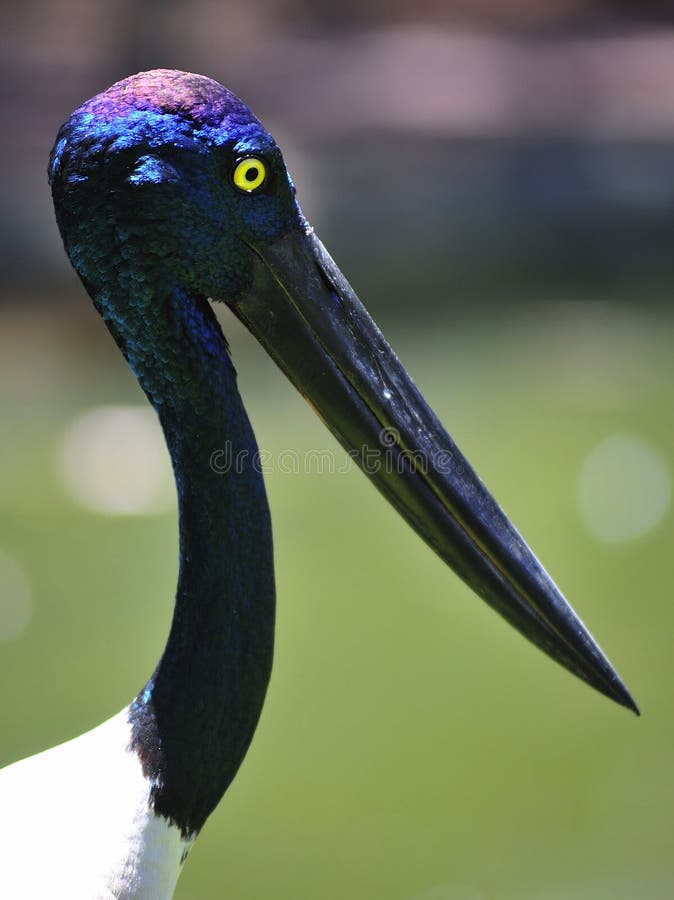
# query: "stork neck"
{"points": [[194, 720]]}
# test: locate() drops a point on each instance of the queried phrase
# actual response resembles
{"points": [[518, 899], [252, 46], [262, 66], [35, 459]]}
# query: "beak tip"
{"points": [[622, 696]]}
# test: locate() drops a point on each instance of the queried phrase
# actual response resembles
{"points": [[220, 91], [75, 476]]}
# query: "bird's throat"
{"points": [[193, 722]]}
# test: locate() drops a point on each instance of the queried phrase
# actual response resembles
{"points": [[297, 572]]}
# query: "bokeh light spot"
{"points": [[114, 462], [16, 604], [624, 490]]}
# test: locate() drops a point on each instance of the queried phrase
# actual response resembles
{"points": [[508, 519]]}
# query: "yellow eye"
{"points": [[249, 174]]}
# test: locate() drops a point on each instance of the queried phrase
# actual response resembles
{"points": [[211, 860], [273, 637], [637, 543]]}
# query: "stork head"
{"points": [[172, 170]]}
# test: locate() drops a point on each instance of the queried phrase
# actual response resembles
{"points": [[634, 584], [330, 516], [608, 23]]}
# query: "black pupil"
{"points": [[251, 174]]}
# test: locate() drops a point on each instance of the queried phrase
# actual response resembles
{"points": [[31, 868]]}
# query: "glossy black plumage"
{"points": [[156, 222]]}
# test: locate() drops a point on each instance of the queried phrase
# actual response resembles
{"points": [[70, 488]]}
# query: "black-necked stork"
{"points": [[170, 193]]}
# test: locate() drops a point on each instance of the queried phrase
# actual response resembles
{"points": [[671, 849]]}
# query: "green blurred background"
{"points": [[497, 181]]}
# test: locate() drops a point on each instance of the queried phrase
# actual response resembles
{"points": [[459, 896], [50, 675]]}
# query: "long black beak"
{"points": [[306, 315]]}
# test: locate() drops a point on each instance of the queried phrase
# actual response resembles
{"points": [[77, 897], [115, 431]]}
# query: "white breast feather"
{"points": [[75, 824]]}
